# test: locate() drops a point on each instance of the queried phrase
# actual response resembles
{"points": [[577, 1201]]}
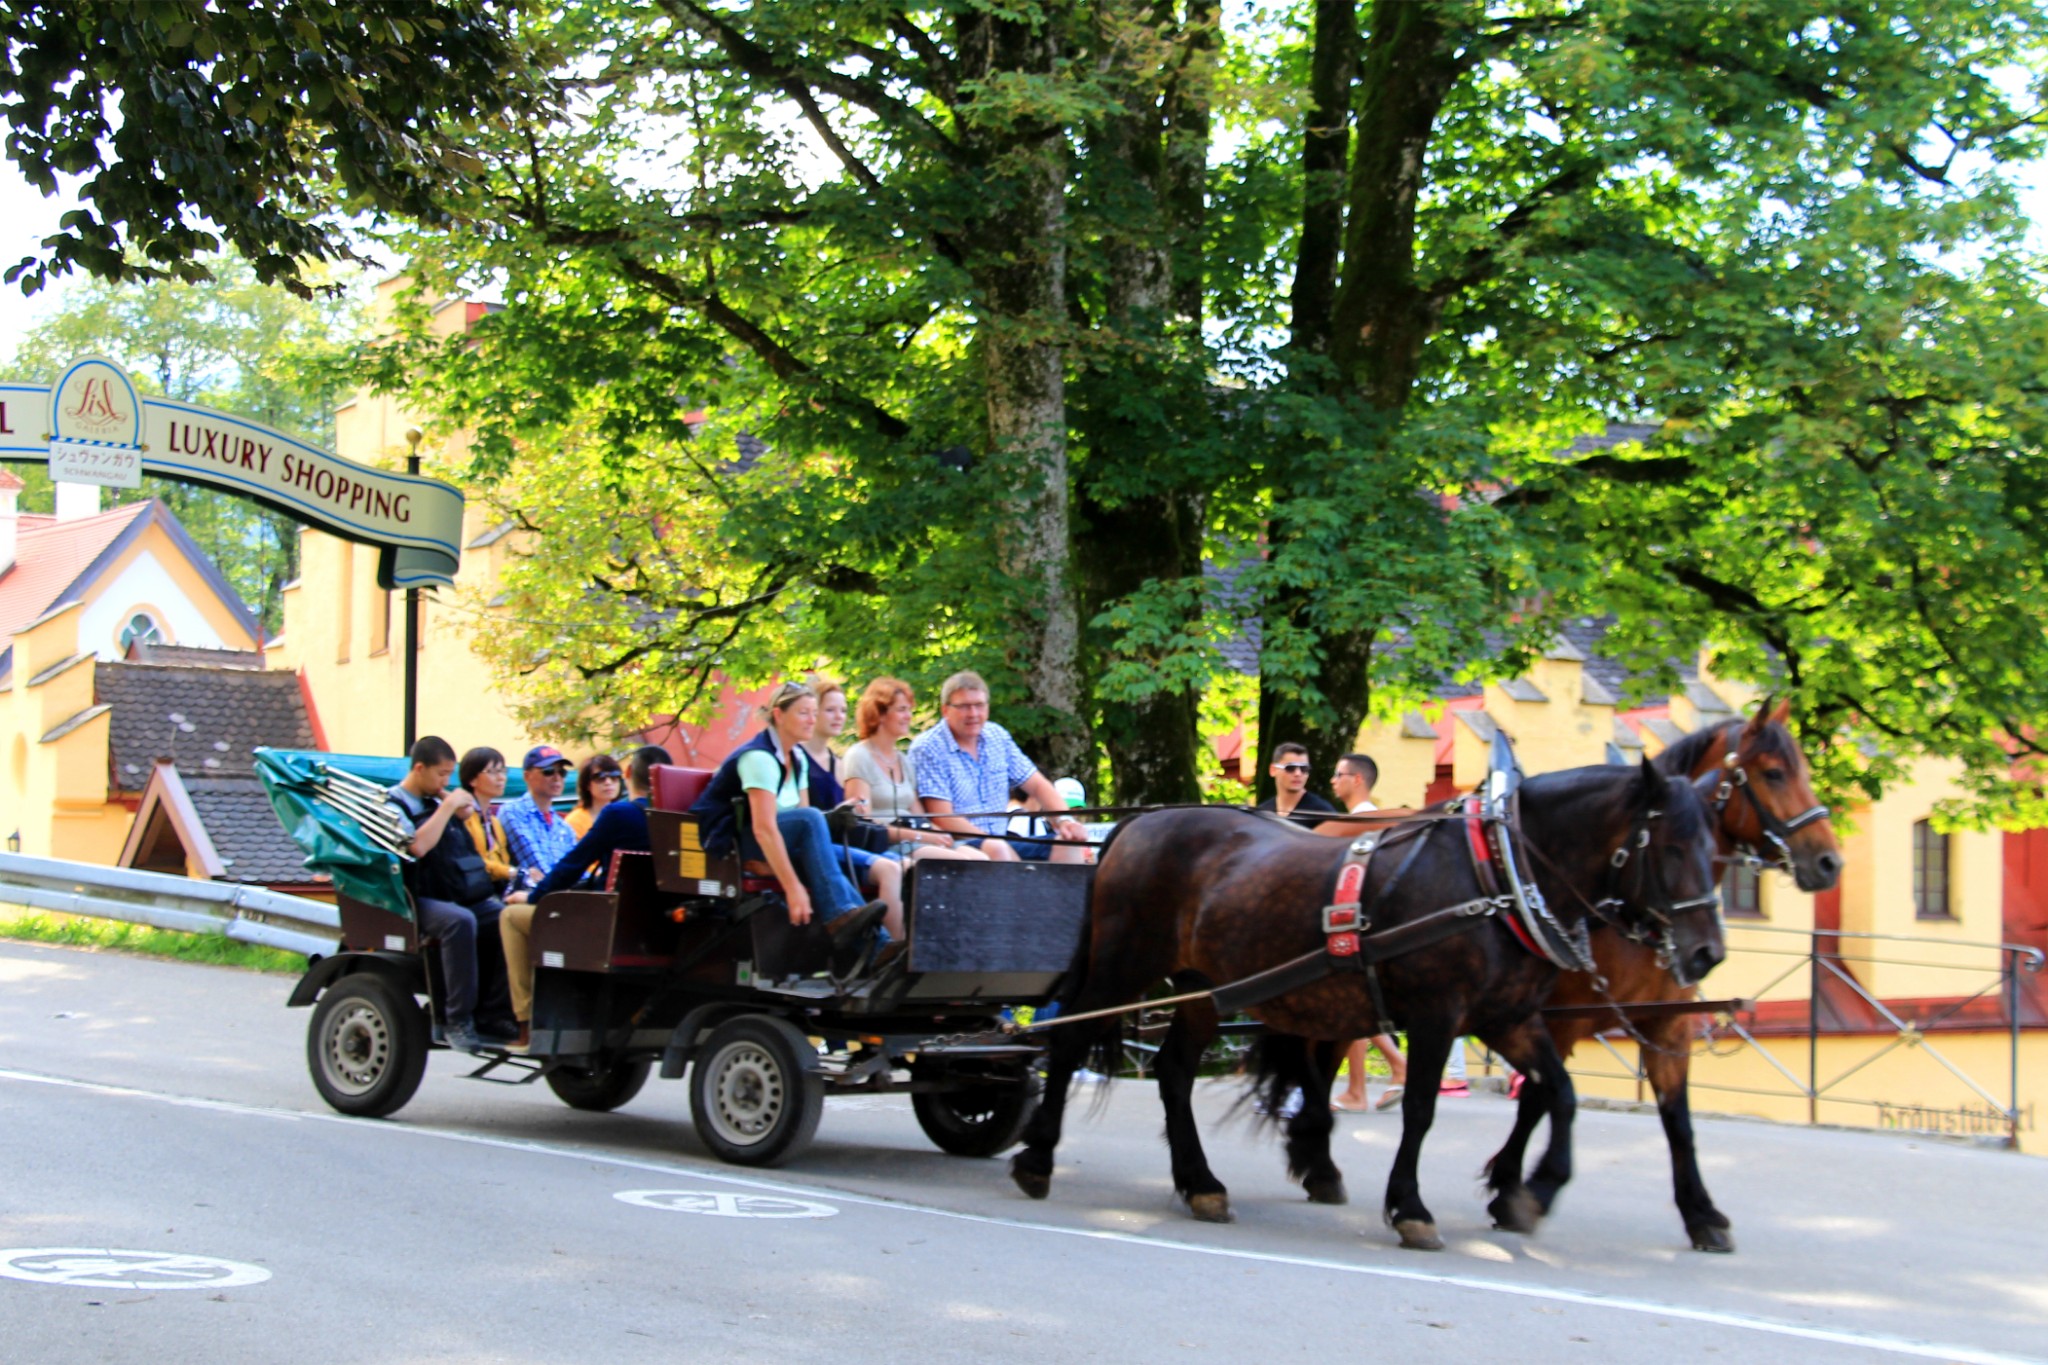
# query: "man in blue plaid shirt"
{"points": [[969, 763], [537, 837]]}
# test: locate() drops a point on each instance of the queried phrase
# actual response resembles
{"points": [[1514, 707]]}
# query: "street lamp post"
{"points": [[413, 437]]}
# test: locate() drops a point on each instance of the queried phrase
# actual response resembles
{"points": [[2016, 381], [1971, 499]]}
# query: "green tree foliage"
{"points": [[228, 342], [1039, 309], [195, 125]]}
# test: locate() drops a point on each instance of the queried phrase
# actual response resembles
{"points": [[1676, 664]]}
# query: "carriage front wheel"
{"points": [[755, 1092], [367, 1045], [982, 1116]]}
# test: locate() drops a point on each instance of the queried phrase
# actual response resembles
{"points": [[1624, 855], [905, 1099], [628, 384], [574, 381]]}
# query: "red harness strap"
{"points": [[1341, 915], [1488, 873]]}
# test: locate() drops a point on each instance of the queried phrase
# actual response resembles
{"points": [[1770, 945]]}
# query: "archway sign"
{"points": [[92, 427]]}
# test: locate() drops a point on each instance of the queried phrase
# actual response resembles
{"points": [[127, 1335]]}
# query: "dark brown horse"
{"points": [[1764, 808], [1204, 897]]}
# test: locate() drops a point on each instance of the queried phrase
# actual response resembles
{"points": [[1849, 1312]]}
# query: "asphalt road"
{"points": [[164, 1108]]}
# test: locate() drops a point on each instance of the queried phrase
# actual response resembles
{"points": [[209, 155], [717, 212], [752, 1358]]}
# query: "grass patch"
{"points": [[116, 937]]}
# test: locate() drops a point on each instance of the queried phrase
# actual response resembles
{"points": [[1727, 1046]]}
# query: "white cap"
{"points": [[1071, 792]]}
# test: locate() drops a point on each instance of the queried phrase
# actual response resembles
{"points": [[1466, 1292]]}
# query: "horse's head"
{"points": [[1764, 799], [1664, 875]]}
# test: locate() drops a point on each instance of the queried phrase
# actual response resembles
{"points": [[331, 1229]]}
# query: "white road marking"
{"points": [[1585, 1298], [107, 1268], [720, 1204]]}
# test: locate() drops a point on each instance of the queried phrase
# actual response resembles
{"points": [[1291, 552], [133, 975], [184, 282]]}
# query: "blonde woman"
{"points": [[880, 776], [831, 725]]}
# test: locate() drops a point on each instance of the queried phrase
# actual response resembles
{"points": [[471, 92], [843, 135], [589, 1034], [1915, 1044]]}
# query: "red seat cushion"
{"points": [[676, 788], [749, 884]]}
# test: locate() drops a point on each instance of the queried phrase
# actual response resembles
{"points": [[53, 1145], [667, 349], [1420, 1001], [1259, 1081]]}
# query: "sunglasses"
{"points": [[1295, 768], [596, 778]]}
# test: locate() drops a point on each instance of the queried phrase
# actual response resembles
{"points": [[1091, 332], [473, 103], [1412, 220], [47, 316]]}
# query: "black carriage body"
{"points": [[682, 943]]}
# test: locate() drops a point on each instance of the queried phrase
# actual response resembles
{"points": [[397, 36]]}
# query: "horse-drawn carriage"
{"points": [[686, 961]]}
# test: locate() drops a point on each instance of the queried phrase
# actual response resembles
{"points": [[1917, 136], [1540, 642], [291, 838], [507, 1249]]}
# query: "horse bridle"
{"points": [[1779, 832], [1652, 898]]}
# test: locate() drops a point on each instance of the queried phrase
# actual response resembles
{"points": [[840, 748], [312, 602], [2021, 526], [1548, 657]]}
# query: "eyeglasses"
{"points": [[967, 706], [1295, 768]]}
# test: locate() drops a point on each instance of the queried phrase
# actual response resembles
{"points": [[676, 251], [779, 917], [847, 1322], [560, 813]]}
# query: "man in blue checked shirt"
{"points": [[537, 836], [969, 763]]}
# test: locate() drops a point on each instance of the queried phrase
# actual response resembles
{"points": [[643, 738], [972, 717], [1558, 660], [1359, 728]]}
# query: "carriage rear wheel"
{"points": [[367, 1046], [600, 1088], [978, 1117], [755, 1092]]}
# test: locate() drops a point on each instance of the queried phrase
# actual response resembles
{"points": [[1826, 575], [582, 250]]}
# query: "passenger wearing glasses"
{"points": [[1290, 771], [539, 838], [883, 779], [969, 763], [599, 782]]}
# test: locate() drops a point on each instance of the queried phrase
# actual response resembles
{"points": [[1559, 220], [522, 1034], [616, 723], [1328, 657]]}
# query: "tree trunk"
{"points": [[1018, 262], [1155, 168], [1376, 324]]}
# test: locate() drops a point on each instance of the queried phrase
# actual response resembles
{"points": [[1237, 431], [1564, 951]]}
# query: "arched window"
{"points": [[141, 626]]}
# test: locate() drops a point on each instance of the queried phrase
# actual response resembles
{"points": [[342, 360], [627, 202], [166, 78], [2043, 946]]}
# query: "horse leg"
{"points": [[1668, 1060], [1554, 1169], [1067, 1049], [1513, 1207], [1429, 1047], [1178, 1063], [1308, 1132]]}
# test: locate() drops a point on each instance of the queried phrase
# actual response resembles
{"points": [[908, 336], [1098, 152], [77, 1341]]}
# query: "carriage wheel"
{"points": [[755, 1093], [979, 1117], [367, 1046], [601, 1088]]}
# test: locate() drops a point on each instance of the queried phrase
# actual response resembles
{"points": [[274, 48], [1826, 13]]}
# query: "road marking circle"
{"points": [[725, 1204], [107, 1268]]}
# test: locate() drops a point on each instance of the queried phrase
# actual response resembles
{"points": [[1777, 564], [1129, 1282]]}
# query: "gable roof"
{"points": [[230, 711], [58, 561], [223, 825]]}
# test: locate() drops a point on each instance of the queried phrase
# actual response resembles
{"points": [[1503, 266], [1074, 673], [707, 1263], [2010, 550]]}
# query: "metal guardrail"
{"points": [[247, 914]]}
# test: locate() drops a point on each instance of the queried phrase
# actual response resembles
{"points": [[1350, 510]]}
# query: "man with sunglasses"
{"points": [[538, 837], [1290, 771]]}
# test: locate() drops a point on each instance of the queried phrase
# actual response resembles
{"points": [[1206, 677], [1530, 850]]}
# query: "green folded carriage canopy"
{"points": [[333, 842]]}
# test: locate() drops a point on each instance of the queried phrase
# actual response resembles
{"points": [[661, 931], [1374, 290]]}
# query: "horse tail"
{"points": [[1273, 1074]]}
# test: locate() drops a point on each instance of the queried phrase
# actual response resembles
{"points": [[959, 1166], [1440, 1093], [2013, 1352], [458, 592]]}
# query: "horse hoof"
{"points": [[1326, 1191], [1419, 1234], [1033, 1183], [1211, 1208], [1716, 1240], [1516, 1211]]}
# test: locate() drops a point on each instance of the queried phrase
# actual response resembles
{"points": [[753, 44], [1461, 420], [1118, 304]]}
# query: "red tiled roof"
{"points": [[10, 482], [50, 556]]}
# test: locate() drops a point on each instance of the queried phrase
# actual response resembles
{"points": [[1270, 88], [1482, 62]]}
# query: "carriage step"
{"points": [[531, 1069]]}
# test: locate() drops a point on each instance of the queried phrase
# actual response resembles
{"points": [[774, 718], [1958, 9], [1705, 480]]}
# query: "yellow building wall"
{"points": [[57, 798], [1861, 1083], [335, 616]]}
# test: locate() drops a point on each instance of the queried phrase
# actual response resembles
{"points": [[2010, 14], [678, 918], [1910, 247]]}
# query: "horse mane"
{"points": [[1684, 756]]}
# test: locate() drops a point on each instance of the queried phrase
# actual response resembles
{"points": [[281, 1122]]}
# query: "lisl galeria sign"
{"points": [[93, 427]]}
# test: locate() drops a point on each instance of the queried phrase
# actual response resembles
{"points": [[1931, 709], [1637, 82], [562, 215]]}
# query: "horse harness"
{"points": [[1350, 944], [1778, 832]]}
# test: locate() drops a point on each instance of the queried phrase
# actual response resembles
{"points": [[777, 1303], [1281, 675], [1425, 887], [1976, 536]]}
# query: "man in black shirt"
{"points": [[1290, 779]]}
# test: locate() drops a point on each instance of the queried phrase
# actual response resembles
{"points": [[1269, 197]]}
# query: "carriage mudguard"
{"points": [[683, 1039], [404, 969]]}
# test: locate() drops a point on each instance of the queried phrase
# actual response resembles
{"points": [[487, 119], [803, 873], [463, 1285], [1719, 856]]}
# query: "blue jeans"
{"points": [[816, 860]]}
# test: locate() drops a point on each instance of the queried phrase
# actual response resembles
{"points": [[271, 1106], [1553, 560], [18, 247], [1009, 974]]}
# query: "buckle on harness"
{"points": [[1338, 918], [1343, 945]]}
